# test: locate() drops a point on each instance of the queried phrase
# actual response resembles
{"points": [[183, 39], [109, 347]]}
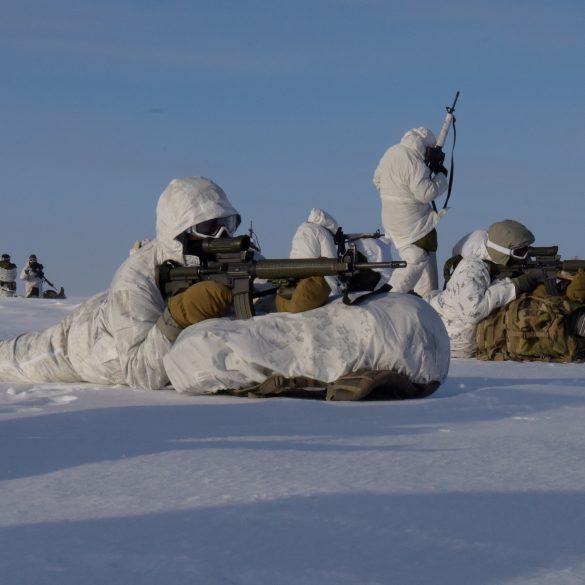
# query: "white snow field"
{"points": [[482, 483]]}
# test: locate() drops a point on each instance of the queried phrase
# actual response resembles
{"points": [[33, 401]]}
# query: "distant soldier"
{"points": [[33, 276], [7, 277]]}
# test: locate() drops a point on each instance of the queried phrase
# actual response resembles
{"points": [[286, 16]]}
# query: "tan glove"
{"points": [[203, 300], [576, 288], [309, 294]]}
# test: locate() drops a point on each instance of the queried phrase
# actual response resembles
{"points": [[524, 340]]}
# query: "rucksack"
{"points": [[531, 328]]}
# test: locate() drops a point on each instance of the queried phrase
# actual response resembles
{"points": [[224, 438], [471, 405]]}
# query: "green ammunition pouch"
{"points": [[530, 328], [428, 243]]}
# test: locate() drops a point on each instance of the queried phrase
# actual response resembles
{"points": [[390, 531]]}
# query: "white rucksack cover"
{"points": [[388, 331]]}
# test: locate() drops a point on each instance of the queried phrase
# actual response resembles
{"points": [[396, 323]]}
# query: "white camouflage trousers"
{"points": [[420, 274]]}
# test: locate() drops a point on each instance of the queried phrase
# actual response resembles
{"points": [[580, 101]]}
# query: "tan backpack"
{"points": [[530, 328]]}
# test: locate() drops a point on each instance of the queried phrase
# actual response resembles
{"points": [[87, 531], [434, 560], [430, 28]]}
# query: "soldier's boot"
{"points": [[377, 385]]}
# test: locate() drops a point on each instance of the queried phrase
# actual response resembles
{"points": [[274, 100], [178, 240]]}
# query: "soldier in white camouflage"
{"points": [[470, 295], [32, 274], [7, 277]]}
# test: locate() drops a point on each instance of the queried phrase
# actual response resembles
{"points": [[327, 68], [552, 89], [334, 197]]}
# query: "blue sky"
{"points": [[287, 105]]}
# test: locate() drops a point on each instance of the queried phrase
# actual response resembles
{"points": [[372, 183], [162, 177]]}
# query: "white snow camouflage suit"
{"points": [[469, 295], [31, 280], [8, 276], [314, 239], [112, 338], [406, 192]]}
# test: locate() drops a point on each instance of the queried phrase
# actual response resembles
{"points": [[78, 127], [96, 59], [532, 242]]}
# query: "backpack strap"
{"points": [[451, 172], [358, 300]]}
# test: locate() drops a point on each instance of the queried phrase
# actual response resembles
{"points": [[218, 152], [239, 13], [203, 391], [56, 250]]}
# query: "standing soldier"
{"points": [[33, 276], [407, 189], [7, 277]]}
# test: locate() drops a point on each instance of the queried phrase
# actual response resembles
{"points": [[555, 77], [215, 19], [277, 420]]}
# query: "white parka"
{"points": [[407, 189], [7, 276], [113, 338], [469, 295], [31, 280], [314, 238]]}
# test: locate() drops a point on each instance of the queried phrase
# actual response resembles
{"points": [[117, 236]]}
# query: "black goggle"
{"points": [[520, 253]]}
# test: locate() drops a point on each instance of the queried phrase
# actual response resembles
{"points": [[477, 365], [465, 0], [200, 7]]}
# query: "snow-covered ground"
{"points": [[482, 483]]}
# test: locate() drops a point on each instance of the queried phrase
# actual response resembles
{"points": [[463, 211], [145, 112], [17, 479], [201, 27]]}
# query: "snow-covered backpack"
{"points": [[531, 328]]}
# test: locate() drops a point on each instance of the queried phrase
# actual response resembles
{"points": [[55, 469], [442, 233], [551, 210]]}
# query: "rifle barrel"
{"points": [[304, 268], [373, 265], [298, 268], [452, 108]]}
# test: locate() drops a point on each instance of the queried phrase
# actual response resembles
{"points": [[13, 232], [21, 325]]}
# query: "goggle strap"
{"points": [[503, 250]]}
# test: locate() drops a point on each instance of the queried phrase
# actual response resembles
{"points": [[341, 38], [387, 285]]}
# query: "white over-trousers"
{"points": [[420, 274]]}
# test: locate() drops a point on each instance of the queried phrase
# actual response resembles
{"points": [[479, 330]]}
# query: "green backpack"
{"points": [[530, 328]]}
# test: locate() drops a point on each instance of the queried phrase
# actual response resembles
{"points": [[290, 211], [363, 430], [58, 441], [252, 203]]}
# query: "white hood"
{"points": [[473, 245], [184, 203], [320, 217], [419, 139]]}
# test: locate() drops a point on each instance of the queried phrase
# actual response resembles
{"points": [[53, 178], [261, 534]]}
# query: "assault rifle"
{"points": [[543, 263], [230, 261], [434, 155]]}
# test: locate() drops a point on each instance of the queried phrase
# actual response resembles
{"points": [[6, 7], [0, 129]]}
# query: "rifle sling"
{"points": [[358, 300], [451, 172], [265, 293]]}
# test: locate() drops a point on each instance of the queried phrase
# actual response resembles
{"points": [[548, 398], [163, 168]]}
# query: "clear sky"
{"points": [[286, 105]]}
